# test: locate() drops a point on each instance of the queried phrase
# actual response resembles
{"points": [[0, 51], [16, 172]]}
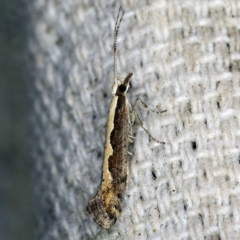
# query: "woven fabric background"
{"points": [[185, 58]]}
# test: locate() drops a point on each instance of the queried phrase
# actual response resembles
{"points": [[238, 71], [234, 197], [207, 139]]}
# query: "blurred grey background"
{"points": [[16, 198]]}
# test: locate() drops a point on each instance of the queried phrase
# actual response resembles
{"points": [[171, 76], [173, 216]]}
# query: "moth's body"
{"points": [[107, 202], [105, 207]]}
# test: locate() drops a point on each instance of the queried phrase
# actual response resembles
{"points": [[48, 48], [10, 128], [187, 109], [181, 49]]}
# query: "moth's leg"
{"points": [[130, 138], [127, 180], [144, 105], [141, 125], [133, 115], [131, 118]]}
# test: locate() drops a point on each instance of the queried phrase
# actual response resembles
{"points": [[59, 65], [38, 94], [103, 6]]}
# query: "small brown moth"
{"points": [[105, 207]]}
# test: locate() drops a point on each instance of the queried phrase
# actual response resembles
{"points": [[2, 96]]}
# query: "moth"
{"points": [[105, 207]]}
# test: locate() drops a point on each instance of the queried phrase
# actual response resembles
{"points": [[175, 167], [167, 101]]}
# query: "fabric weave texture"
{"points": [[185, 58]]}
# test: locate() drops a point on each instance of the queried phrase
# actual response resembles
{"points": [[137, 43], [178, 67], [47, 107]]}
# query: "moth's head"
{"points": [[124, 86]]}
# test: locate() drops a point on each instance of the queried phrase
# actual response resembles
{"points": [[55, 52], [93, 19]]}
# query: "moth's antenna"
{"points": [[117, 24]]}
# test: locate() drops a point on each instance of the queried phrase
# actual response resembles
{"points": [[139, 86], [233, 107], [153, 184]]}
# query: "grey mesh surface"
{"points": [[185, 58]]}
